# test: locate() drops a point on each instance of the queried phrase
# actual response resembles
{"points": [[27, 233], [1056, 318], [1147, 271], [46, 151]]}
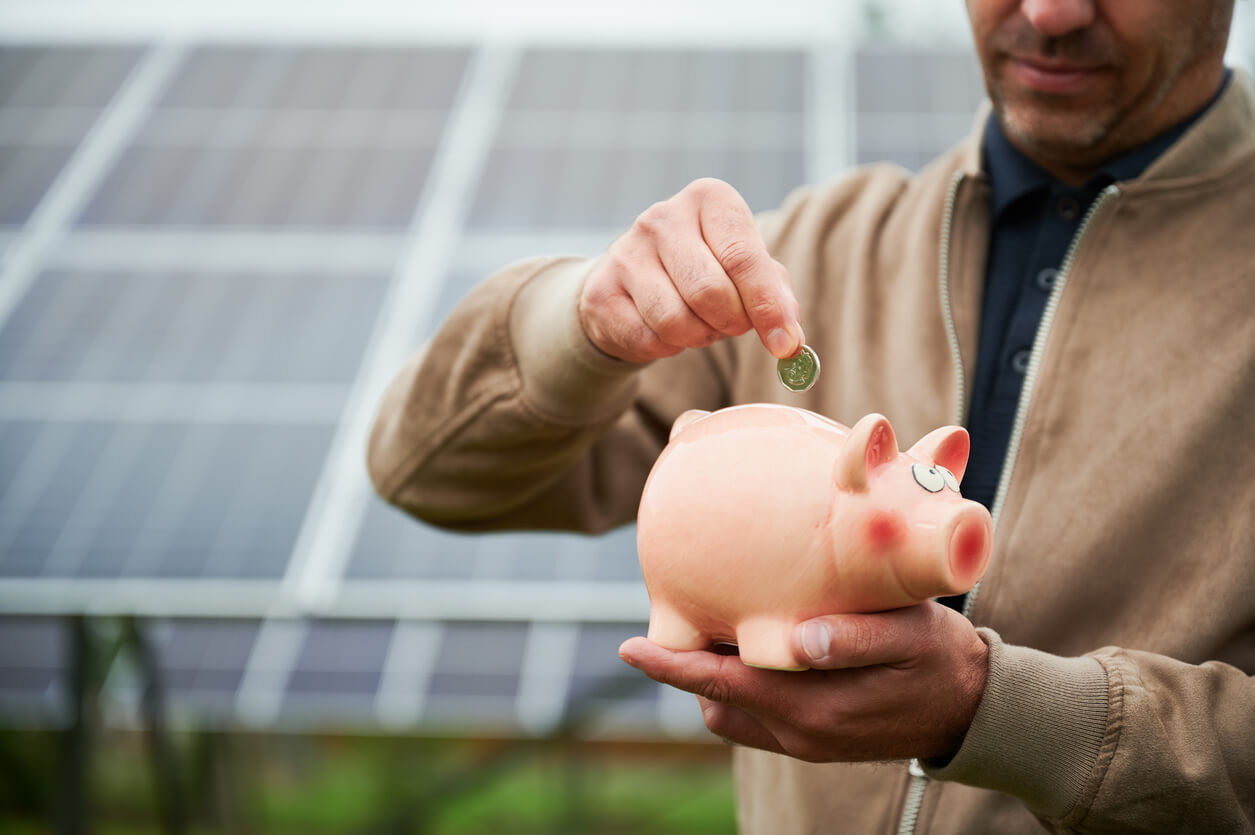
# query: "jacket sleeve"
{"points": [[1115, 741], [510, 418]]}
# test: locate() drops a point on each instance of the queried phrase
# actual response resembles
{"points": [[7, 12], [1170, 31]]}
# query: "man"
{"points": [[1076, 283]]}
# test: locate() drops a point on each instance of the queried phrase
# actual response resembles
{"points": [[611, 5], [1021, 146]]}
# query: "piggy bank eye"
{"points": [[951, 481], [928, 478]]}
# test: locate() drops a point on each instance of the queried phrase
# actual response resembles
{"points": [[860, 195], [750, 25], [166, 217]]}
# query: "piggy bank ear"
{"points": [[685, 419], [871, 442], [948, 446]]}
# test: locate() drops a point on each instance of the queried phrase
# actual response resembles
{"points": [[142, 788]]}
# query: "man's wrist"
{"points": [[973, 684], [1037, 730]]}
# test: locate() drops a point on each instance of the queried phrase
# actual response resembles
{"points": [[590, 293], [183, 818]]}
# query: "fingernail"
{"points": [[780, 343], [815, 638], [795, 330]]}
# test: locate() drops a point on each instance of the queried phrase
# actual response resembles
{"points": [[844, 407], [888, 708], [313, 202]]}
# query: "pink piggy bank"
{"points": [[758, 517]]}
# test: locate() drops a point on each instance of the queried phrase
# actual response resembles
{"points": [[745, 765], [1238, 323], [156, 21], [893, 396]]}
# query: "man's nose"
{"points": [[1055, 18]]}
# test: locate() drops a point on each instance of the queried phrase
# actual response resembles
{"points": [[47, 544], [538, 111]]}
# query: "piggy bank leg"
{"points": [[669, 629], [765, 642]]}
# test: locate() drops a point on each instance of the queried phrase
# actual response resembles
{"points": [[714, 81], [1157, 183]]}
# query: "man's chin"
{"points": [[1053, 134]]}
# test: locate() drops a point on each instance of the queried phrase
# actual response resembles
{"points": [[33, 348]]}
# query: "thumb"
{"points": [[835, 642]]}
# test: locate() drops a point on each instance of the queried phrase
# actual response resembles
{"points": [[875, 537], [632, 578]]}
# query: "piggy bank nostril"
{"points": [[969, 548]]}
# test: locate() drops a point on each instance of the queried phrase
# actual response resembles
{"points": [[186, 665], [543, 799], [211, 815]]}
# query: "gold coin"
{"points": [[800, 371]]}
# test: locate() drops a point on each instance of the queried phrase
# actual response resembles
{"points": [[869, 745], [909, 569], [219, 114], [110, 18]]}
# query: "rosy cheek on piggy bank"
{"points": [[758, 517], [885, 529]]}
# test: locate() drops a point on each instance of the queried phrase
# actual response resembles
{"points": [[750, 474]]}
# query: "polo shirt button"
{"points": [[1046, 278], [1019, 361], [1068, 208]]}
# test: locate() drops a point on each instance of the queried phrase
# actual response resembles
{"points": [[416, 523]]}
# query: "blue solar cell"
{"points": [[26, 172], [473, 648], [476, 675], [606, 188], [603, 691], [202, 662], [229, 76], [617, 558], [159, 327], [903, 80], [34, 668], [33, 653], [340, 658], [660, 80], [304, 186], [158, 500], [192, 166], [502, 686], [43, 493], [16, 440], [391, 545], [68, 76], [597, 651]]}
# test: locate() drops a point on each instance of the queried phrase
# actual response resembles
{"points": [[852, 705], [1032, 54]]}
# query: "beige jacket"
{"points": [[1120, 599]]}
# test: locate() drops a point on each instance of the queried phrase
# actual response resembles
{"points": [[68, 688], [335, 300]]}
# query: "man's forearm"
{"points": [[509, 417]]}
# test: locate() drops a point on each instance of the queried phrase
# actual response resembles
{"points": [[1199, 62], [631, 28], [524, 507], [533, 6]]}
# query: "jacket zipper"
{"points": [[947, 313], [919, 780], [1034, 367]]}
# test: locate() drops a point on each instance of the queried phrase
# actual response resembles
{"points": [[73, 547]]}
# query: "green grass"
{"points": [[280, 784]]}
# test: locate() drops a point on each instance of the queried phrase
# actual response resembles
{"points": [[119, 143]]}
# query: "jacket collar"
{"points": [[1219, 139]]}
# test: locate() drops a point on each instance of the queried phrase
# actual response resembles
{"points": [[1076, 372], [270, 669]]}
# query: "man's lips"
{"points": [[1053, 76]]}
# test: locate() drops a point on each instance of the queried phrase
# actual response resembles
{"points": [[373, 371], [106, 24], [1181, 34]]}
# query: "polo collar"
{"points": [[1012, 175]]}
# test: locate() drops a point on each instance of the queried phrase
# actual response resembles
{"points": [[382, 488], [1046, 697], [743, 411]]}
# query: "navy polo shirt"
{"points": [[1034, 218]]}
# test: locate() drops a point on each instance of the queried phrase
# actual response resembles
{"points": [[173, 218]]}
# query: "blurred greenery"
{"points": [[329, 783]]}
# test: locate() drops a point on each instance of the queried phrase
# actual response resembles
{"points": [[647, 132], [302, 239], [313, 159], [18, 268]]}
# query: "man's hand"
{"points": [[885, 686], [690, 271]]}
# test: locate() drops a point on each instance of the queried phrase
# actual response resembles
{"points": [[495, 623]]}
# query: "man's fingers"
{"points": [[700, 280], [838, 642], [735, 725], [691, 671], [615, 326], [663, 310], [695, 268], [720, 678], [728, 227]]}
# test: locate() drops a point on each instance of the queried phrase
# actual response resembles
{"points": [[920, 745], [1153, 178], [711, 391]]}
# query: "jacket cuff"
{"points": [[565, 377], [1038, 731]]}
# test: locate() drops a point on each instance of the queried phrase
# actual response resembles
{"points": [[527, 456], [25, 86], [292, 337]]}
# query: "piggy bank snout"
{"points": [[971, 539]]}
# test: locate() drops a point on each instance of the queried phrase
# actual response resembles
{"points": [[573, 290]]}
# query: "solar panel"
{"points": [[590, 138], [337, 671], [914, 104], [202, 663], [49, 99], [215, 254], [197, 327], [33, 671], [93, 500]]}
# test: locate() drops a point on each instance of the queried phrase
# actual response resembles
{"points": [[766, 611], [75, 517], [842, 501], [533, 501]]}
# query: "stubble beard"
{"points": [[1049, 125], [1034, 124], [1090, 134]]}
